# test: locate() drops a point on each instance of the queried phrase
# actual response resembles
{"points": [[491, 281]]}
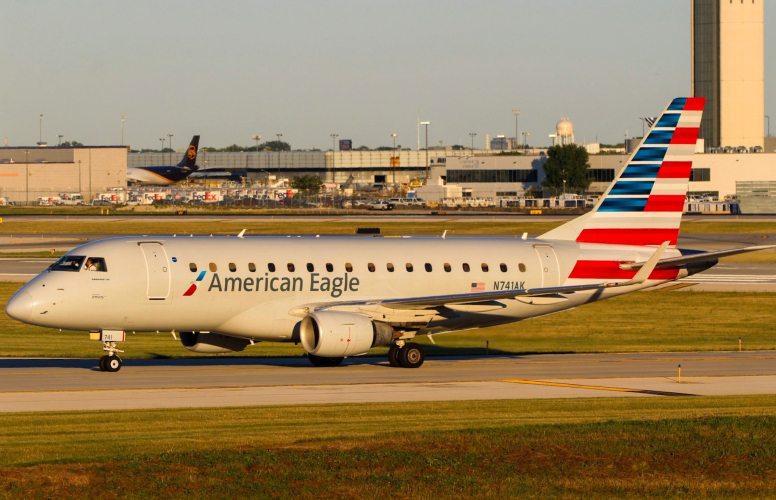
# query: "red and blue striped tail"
{"points": [[644, 204]]}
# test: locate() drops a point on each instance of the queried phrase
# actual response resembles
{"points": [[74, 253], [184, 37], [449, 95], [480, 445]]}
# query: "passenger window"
{"points": [[389, 266], [466, 268], [232, 267], [271, 267], [503, 267], [349, 267], [290, 267], [484, 267], [310, 267], [251, 267], [448, 268], [521, 266], [409, 267], [213, 267], [371, 267], [193, 267], [68, 263], [329, 267], [428, 267]]}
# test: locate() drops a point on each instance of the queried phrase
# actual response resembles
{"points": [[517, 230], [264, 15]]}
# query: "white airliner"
{"points": [[342, 296]]}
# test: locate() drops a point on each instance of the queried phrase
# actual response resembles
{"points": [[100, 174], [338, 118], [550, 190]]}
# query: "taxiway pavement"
{"points": [[64, 385]]}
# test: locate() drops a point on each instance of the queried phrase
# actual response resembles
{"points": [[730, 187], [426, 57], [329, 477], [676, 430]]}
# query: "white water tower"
{"points": [[564, 132]]}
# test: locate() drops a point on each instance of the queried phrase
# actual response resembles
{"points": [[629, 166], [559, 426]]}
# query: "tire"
{"points": [[103, 367], [393, 356], [411, 356], [113, 364], [321, 361]]}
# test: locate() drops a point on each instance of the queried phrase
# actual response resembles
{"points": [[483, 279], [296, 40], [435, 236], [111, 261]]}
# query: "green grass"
{"points": [[716, 447], [646, 321], [328, 226]]}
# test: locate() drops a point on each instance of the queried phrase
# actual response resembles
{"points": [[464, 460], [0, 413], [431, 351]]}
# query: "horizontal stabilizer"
{"points": [[698, 257]]}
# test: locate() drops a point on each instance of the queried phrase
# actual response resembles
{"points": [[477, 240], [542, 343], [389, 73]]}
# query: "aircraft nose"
{"points": [[20, 306]]}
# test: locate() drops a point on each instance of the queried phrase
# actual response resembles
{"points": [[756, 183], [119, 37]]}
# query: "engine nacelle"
{"points": [[212, 343], [332, 334]]}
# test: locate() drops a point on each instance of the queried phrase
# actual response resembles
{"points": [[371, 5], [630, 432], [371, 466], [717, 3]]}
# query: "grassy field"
{"points": [[584, 448], [333, 225], [646, 321]]}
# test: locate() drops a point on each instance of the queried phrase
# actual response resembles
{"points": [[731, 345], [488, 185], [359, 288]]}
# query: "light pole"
{"points": [[257, 138], [516, 112], [170, 137], [333, 155], [279, 136], [769, 124], [426, 124], [525, 141], [27, 175], [643, 121], [59, 139], [40, 130], [472, 135], [122, 128]]}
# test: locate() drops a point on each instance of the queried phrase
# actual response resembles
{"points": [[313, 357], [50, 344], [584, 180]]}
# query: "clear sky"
{"points": [[228, 70]]}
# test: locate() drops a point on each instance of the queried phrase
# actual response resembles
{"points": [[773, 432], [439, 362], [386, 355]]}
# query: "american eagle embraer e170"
{"points": [[165, 175], [342, 296]]}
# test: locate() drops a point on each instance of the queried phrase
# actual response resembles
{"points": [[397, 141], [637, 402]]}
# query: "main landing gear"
{"points": [[406, 355], [111, 362]]}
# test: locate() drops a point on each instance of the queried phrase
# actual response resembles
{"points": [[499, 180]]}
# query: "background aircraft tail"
{"points": [[644, 204], [190, 156]]}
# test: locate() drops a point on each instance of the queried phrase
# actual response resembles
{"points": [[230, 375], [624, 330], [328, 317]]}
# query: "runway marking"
{"points": [[596, 387], [678, 286]]}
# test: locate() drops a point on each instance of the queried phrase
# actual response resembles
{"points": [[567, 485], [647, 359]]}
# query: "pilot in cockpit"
{"points": [[90, 265]]}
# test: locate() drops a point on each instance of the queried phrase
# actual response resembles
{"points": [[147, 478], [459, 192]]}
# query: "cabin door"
{"points": [[158, 271], [549, 266]]}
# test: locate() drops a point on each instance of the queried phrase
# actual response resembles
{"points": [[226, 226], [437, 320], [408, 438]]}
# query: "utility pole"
{"points": [[426, 124], [769, 124], [517, 120], [40, 130], [257, 138], [643, 121]]}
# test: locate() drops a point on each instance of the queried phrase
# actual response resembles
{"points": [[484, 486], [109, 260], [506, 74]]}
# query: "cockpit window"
{"points": [[95, 264], [68, 263]]}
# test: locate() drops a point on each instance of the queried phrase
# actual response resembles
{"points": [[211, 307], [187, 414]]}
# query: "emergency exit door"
{"points": [[158, 271], [549, 265]]}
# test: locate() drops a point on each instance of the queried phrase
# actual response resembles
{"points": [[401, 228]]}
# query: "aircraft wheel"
{"points": [[411, 356], [112, 364], [103, 367], [393, 356], [321, 361]]}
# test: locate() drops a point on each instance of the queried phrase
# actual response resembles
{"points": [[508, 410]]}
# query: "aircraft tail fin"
{"points": [[644, 203], [190, 156]]}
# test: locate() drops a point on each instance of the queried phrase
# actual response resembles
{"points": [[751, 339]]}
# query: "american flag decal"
{"points": [[478, 287]]}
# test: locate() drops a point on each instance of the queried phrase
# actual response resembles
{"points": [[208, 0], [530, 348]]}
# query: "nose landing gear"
{"points": [[111, 362]]}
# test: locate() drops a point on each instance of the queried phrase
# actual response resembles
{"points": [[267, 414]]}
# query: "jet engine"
{"points": [[212, 343], [331, 334]]}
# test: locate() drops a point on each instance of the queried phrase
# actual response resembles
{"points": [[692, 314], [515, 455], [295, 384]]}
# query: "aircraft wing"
{"points": [[697, 257], [433, 301]]}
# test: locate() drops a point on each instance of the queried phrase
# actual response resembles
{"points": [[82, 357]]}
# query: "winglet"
{"points": [[242, 233], [643, 274]]}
